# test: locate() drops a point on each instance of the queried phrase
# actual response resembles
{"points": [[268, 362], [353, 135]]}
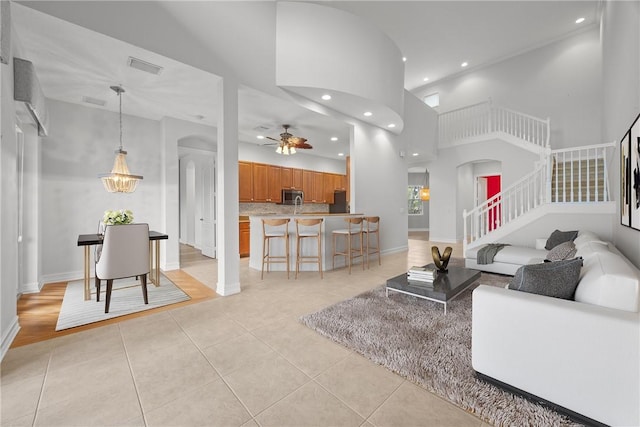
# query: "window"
{"points": [[432, 100], [415, 203]]}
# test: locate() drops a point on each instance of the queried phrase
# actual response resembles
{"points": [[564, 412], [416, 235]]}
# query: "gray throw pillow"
{"points": [[553, 279], [558, 237], [566, 250]]}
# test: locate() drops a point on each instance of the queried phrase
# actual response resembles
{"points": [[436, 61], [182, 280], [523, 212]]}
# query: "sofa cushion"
{"points": [[566, 250], [558, 237], [586, 237], [608, 281], [554, 279], [587, 249]]}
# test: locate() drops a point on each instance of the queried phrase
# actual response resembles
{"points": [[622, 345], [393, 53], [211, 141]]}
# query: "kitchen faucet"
{"points": [[295, 204]]}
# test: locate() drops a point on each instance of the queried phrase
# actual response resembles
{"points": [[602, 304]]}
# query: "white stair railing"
{"points": [[570, 175], [526, 194], [485, 118], [579, 174]]}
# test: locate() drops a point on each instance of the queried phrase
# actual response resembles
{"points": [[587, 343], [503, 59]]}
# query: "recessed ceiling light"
{"points": [[464, 64], [334, 138], [340, 154], [368, 113], [415, 154], [579, 20], [326, 97], [426, 79], [391, 125], [404, 59], [260, 136]]}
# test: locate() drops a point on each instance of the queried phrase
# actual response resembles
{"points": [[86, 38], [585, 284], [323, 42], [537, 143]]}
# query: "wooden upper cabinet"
{"points": [[286, 177], [307, 186], [260, 182], [274, 177], [245, 182], [329, 187], [296, 179], [318, 187]]}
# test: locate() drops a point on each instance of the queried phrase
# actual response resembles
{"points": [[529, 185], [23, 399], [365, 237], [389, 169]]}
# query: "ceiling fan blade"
{"points": [[303, 146], [296, 140], [268, 137]]}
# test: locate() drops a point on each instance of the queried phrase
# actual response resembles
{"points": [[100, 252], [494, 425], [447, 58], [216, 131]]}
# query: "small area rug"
{"points": [[126, 298], [413, 338]]}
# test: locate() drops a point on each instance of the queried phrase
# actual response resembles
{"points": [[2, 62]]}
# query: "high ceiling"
{"points": [[73, 62]]}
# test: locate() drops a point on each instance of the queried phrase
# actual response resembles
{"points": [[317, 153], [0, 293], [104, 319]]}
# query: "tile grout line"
{"points": [[44, 382], [133, 377]]}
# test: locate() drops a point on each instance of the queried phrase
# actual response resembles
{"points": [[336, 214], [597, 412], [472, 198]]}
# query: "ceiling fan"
{"points": [[288, 144]]}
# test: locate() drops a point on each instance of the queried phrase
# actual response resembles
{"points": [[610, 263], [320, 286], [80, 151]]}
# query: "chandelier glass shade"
{"points": [[120, 180], [425, 194], [285, 149]]}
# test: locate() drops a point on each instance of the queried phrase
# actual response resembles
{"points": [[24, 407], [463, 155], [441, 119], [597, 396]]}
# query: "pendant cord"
{"points": [[120, 97]]}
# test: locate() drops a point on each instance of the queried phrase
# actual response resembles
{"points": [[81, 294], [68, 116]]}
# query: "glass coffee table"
{"points": [[444, 288]]}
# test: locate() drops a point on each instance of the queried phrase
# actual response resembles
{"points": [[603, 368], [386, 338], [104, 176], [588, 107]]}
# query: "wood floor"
{"points": [[38, 313]]}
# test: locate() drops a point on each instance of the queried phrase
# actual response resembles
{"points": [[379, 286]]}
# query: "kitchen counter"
{"points": [[332, 221]]}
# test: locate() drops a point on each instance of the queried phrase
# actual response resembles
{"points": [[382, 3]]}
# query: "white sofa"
{"points": [[581, 355], [508, 259]]}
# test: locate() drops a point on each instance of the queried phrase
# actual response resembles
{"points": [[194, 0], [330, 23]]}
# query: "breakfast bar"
{"points": [[331, 222]]}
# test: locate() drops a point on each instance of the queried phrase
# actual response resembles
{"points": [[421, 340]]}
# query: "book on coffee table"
{"points": [[422, 274]]}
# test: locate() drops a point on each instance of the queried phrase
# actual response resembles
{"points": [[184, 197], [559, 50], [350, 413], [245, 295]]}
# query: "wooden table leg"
{"points": [[87, 269]]}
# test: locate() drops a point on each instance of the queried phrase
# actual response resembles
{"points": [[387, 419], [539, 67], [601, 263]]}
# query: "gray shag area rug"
{"points": [[413, 338]]}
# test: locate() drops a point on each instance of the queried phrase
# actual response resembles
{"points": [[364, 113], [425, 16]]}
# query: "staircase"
{"points": [[562, 179]]}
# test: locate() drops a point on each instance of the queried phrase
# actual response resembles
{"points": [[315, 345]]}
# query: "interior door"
{"points": [[208, 219], [494, 186]]}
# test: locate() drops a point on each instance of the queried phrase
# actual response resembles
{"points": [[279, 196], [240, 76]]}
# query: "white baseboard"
{"points": [[30, 288], [395, 250], [228, 289], [170, 266], [9, 336], [443, 240], [62, 277]]}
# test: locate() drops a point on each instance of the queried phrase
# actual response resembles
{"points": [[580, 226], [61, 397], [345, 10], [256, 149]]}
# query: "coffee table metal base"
{"points": [[427, 298]]}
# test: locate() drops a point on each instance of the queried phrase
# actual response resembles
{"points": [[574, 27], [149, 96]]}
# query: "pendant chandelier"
{"points": [[286, 149], [120, 180], [425, 194]]}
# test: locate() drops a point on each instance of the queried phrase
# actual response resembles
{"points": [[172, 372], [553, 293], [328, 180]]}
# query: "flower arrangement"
{"points": [[117, 217]]}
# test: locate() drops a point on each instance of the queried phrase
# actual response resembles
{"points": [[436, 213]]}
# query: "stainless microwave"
{"points": [[289, 196]]}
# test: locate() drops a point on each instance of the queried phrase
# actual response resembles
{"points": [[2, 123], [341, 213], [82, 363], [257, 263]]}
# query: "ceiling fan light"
{"points": [[279, 149], [285, 150], [292, 150]]}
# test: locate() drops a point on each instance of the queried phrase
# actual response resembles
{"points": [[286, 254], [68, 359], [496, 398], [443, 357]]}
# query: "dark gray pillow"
{"points": [[566, 250], [553, 279], [558, 237]]}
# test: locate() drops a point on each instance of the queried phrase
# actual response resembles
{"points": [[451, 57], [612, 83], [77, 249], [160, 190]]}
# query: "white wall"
{"points": [[561, 81], [445, 216], [621, 101], [80, 146], [8, 211]]}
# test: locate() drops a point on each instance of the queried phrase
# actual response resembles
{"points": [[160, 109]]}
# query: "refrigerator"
{"points": [[339, 204]]}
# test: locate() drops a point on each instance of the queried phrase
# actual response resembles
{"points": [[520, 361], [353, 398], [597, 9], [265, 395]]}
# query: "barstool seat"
{"points": [[269, 232], [303, 231], [372, 227], [353, 231]]}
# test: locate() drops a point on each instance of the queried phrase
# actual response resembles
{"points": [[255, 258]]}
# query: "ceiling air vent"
{"points": [[94, 101], [144, 65]]}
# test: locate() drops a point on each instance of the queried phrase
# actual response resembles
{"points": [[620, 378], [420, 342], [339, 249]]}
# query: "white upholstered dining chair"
{"points": [[125, 253]]}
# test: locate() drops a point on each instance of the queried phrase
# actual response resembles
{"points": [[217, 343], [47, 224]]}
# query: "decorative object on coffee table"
{"points": [[441, 261]]}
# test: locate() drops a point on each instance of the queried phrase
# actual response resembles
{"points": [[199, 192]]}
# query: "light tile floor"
{"points": [[242, 360]]}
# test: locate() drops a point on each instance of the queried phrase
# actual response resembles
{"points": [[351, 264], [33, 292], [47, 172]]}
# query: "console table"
{"points": [[88, 240]]}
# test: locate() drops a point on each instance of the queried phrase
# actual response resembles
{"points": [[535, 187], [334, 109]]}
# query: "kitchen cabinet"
{"points": [[274, 184], [329, 186], [260, 182], [318, 195], [244, 238], [286, 177], [307, 186], [245, 182], [291, 178]]}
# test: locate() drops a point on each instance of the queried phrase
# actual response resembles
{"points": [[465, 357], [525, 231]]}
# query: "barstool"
{"points": [[354, 229], [267, 235], [308, 232], [372, 227]]}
